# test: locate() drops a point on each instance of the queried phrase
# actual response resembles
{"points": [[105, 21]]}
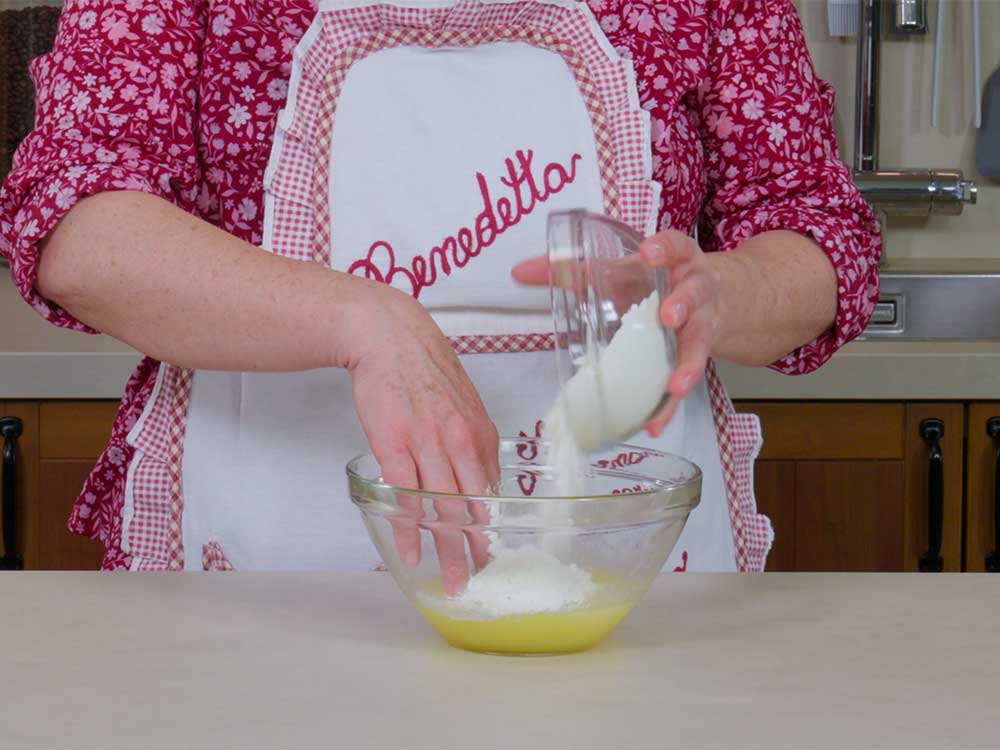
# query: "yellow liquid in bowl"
{"points": [[538, 633]]}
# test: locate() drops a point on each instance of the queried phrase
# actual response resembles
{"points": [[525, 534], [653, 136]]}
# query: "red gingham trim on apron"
{"points": [[334, 79], [621, 136], [504, 344], [154, 529], [178, 425], [212, 557], [147, 529], [739, 443], [297, 182]]}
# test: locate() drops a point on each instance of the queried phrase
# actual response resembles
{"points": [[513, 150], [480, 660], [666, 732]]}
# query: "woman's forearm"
{"points": [[185, 292], [778, 291]]}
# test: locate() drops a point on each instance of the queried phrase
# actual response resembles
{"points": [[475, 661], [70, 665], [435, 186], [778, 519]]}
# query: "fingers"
{"points": [[690, 309], [479, 543], [491, 461], [694, 347], [694, 292], [436, 475], [694, 341], [668, 249], [476, 468], [471, 476], [532, 272], [654, 427], [400, 471]]}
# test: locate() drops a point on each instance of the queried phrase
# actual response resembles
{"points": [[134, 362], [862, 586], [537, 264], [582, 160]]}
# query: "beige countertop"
{"points": [[38, 360], [254, 660], [878, 369]]}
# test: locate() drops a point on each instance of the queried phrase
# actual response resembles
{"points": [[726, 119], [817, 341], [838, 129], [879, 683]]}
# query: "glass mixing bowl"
{"points": [[548, 574]]}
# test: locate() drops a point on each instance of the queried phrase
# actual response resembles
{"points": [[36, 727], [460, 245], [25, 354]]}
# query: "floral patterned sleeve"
{"points": [[115, 104], [772, 160]]}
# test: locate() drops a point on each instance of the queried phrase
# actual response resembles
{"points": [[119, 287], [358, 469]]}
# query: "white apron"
{"points": [[423, 144]]}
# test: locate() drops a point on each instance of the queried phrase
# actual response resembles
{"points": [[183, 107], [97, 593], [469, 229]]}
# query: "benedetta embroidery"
{"points": [[527, 189]]}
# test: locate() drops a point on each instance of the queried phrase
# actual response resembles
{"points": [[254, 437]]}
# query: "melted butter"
{"points": [[537, 633]]}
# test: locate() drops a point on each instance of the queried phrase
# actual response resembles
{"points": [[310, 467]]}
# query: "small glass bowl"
{"points": [[608, 545], [597, 276]]}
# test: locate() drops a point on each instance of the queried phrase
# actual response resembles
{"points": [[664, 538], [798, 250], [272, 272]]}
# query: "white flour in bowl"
{"points": [[523, 580]]}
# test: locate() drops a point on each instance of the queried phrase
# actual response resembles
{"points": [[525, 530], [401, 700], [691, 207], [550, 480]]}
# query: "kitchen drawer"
{"points": [[75, 429], [830, 431]]}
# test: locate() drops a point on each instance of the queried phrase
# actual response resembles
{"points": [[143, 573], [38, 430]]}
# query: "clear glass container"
{"points": [[551, 574], [614, 357]]}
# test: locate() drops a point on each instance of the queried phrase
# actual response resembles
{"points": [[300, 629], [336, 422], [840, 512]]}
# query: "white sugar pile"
{"points": [[522, 581]]}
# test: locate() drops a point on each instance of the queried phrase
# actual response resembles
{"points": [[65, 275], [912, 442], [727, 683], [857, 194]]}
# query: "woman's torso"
{"points": [[244, 72], [280, 511]]}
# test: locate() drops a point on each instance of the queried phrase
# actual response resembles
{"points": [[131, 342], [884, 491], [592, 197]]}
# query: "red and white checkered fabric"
{"points": [[178, 425], [739, 444], [299, 176], [516, 342], [287, 179], [212, 557], [152, 528], [154, 437], [145, 534]]}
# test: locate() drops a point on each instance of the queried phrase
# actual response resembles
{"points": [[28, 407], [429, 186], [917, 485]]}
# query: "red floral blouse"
{"points": [[178, 98]]}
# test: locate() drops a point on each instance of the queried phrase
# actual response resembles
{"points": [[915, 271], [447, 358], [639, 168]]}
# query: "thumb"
{"points": [[532, 272]]}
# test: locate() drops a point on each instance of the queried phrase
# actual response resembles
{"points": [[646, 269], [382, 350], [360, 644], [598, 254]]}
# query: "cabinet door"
{"points": [[918, 486], [72, 436], [58, 548], [981, 486], [847, 484], [774, 487], [833, 515], [831, 478], [849, 515]]}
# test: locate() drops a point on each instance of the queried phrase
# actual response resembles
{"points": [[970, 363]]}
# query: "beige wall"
{"points": [[907, 138]]}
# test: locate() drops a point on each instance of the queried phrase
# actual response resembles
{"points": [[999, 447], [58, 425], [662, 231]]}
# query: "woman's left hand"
{"points": [[693, 309]]}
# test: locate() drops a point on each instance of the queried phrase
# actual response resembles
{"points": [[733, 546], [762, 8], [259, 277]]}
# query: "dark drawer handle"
{"points": [[931, 431], [993, 559], [10, 429]]}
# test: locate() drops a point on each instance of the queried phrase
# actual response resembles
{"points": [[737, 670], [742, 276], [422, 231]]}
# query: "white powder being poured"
{"points": [[615, 391], [607, 399]]}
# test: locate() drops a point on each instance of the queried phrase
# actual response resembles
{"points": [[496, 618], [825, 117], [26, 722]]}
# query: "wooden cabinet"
{"points": [[981, 538], [59, 446], [847, 485]]}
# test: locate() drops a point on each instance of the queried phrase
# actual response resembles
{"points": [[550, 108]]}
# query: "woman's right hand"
{"points": [[426, 426]]}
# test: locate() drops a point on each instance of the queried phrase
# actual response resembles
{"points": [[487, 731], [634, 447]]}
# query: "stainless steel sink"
{"points": [[925, 300]]}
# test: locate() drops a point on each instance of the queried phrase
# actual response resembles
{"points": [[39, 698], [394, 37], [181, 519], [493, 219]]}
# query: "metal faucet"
{"points": [[913, 192]]}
